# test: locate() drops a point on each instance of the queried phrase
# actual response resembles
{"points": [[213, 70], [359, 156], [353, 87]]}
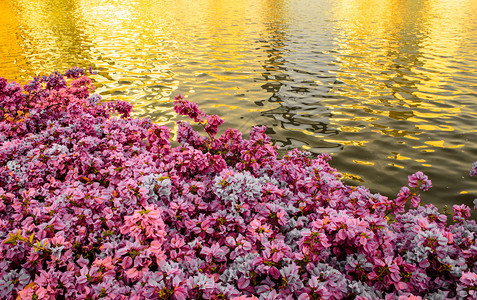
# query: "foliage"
{"points": [[94, 206]]}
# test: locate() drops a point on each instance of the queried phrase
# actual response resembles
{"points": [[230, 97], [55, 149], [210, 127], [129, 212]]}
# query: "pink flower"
{"points": [[187, 108], [385, 270], [132, 273], [245, 298], [214, 252], [461, 212], [473, 171], [212, 124], [258, 229], [420, 180]]}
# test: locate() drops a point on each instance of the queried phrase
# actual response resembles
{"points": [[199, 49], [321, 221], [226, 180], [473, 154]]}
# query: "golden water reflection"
{"points": [[410, 63]]}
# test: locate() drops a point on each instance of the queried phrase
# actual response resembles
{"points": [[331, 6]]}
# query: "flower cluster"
{"points": [[95, 204], [473, 171]]}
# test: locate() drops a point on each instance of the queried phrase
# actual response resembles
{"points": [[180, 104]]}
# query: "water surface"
{"points": [[389, 87]]}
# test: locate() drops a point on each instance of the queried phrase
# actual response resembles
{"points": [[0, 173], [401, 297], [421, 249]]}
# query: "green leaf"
{"points": [[11, 241]]}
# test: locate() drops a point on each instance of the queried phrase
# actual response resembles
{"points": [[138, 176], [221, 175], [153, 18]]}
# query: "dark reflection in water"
{"points": [[387, 86]]}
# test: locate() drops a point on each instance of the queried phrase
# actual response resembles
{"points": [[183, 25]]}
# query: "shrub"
{"points": [[96, 204]]}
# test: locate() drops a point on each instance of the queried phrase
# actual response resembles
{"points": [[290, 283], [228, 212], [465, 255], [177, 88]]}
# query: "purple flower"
{"points": [[213, 122], [420, 180], [187, 108], [461, 212], [74, 72], [386, 271], [473, 170], [122, 107], [466, 288]]}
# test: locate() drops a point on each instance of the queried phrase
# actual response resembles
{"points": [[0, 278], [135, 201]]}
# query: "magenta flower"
{"points": [[386, 271], [74, 72], [473, 171], [245, 298], [187, 108], [212, 123], [461, 212], [466, 288], [240, 245], [402, 197], [214, 253], [258, 229], [419, 180]]}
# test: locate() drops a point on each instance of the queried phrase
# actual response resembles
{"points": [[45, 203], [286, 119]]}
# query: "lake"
{"points": [[388, 87]]}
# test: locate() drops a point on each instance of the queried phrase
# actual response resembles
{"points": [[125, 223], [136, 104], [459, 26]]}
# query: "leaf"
{"points": [[12, 240]]}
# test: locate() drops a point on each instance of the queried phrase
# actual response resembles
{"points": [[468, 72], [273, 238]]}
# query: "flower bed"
{"points": [[94, 206]]}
